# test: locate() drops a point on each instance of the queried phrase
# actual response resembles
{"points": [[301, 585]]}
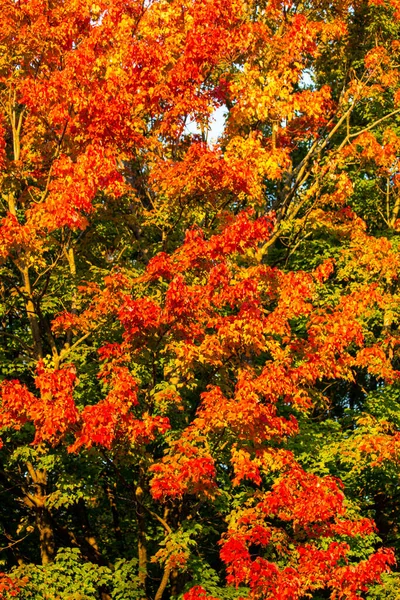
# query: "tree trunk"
{"points": [[141, 524], [42, 515], [46, 535]]}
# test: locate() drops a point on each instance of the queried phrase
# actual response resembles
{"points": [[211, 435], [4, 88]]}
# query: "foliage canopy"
{"points": [[199, 338]]}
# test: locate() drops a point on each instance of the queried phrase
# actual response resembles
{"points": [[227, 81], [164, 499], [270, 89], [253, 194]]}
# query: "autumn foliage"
{"points": [[199, 330]]}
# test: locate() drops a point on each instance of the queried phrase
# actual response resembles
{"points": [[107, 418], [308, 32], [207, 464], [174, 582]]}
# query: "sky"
{"points": [[217, 125]]}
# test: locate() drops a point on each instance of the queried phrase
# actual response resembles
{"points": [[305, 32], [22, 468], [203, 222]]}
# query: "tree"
{"points": [[199, 342]]}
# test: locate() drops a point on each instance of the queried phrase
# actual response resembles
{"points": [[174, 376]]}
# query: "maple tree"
{"points": [[199, 338]]}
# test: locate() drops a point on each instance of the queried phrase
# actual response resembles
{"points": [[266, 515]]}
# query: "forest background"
{"points": [[199, 338]]}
